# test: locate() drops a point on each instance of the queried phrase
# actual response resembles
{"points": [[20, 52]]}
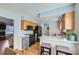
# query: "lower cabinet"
{"points": [[25, 42], [28, 40], [31, 40]]}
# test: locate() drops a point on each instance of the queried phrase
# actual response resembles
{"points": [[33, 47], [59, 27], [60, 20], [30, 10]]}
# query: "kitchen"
{"points": [[56, 34], [30, 33]]}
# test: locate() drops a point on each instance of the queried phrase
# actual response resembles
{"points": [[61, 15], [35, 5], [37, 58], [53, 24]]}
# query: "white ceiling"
{"points": [[32, 9]]}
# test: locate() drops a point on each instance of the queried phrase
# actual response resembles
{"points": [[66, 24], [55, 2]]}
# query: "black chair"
{"points": [[62, 51], [45, 48]]}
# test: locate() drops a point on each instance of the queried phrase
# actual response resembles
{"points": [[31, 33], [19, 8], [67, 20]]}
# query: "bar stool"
{"points": [[45, 48], [63, 49]]}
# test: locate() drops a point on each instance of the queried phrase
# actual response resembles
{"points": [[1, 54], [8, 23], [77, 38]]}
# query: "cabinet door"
{"points": [[69, 20], [61, 24], [25, 42], [31, 40], [23, 24]]}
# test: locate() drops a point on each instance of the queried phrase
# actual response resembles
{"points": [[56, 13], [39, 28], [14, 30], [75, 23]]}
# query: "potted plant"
{"points": [[72, 36]]}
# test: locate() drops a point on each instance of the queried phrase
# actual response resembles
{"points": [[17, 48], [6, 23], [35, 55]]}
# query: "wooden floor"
{"points": [[32, 50]]}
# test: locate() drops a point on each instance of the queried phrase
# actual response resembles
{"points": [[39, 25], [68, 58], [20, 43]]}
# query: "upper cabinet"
{"points": [[67, 21], [25, 24], [61, 23]]}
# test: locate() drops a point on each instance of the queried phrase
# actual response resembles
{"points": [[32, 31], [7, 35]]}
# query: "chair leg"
{"points": [[56, 52], [42, 49], [50, 51]]}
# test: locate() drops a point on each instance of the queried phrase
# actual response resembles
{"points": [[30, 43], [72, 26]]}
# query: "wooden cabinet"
{"points": [[67, 21], [61, 24], [25, 24]]}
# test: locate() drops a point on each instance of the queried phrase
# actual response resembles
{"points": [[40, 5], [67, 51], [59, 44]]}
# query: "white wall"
{"points": [[53, 28], [77, 24], [46, 31]]}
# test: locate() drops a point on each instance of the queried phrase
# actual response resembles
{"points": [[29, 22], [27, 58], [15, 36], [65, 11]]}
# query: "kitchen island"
{"points": [[61, 41]]}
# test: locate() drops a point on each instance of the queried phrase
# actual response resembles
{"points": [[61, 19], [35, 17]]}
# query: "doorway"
{"points": [[6, 33]]}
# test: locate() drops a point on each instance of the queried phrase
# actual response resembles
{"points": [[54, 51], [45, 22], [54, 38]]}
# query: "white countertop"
{"points": [[56, 38]]}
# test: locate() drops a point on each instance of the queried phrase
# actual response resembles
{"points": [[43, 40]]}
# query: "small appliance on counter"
{"points": [[25, 32]]}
